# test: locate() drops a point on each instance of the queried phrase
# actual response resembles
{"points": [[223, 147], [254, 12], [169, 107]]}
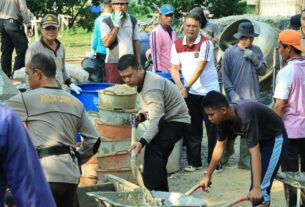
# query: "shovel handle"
{"points": [[240, 200], [194, 188]]}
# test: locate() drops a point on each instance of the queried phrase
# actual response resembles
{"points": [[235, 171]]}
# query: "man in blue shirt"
{"points": [[20, 169], [98, 46]]}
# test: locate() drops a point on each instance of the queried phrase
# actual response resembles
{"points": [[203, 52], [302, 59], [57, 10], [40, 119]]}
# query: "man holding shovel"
{"points": [[263, 131], [168, 119]]}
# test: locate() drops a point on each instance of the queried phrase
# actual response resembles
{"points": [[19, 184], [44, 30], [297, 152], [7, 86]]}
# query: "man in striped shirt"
{"points": [[162, 38], [194, 55]]}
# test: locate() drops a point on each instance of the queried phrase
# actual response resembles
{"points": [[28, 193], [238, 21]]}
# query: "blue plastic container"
{"points": [[89, 94], [169, 77]]}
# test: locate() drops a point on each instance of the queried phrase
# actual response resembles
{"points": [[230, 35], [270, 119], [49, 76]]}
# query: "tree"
{"points": [[68, 7], [222, 8]]}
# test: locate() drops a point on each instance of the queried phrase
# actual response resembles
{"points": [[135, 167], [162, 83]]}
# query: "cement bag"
{"points": [[77, 73], [19, 75], [7, 89]]}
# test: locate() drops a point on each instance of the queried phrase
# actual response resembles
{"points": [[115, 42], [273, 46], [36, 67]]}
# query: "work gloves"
{"points": [[75, 88], [117, 20], [250, 55], [234, 96], [91, 54]]}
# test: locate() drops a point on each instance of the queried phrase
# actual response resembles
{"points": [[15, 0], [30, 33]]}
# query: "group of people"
{"points": [[40, 162], [269, 138], [174, 110]]}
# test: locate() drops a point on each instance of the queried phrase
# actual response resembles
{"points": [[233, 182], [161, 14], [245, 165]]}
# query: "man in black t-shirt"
{"points": [[265, 136]]}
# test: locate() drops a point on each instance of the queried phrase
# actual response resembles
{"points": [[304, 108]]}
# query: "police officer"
{"points": [[51, 46], [12, 16], [54, 117]]}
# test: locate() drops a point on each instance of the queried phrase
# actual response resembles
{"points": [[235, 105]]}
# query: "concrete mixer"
{"points": [[267, 41]]}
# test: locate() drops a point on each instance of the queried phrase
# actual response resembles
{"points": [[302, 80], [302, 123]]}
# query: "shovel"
{"points": [[233, 203], [133, 163], [194, 188]]}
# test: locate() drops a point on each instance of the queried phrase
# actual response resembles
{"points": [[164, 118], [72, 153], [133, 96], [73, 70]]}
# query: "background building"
{"points": [[279, 7]]}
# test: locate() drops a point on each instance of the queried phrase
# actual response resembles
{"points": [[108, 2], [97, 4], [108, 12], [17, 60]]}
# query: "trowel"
{"points": [[134, 168]]}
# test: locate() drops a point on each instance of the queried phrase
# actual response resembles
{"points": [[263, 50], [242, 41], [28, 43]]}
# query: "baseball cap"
{"points": [[167, 9], [49, 20], [291, 37]]}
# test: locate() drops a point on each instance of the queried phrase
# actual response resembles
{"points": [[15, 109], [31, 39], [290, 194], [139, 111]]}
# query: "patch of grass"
{"points": [[77, 42]]}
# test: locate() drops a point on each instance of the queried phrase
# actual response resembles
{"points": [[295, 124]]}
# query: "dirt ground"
{"points": [[229, 185]]}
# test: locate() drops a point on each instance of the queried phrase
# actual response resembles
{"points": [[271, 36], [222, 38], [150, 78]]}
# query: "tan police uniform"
{"points": [[13, 13], [53, 118], [58, 55]]}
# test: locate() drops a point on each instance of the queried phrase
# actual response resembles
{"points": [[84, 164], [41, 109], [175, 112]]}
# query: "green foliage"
{"points": [[222, 8], [81, 15], [74, 8], [144, 8], [219, 8], [87, 19]]}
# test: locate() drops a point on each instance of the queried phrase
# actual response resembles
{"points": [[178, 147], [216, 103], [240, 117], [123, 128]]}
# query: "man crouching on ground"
{"points": [[265, 136], [168, 119]]}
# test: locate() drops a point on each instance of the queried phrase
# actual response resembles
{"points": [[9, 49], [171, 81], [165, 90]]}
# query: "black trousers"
{"points": [[64, 194], [295, 152], [157, 153], [193, 139], [101, 74], [12, 37]]}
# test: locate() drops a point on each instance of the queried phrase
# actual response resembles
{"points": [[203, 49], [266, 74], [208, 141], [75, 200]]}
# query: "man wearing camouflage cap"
{"points": [[51, 46]]}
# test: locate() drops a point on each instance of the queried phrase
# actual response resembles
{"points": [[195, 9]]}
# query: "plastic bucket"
{"points": [[113, 132], [124, 173], [89, 94], [109, 147], [116, 116], [117, 160]]}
